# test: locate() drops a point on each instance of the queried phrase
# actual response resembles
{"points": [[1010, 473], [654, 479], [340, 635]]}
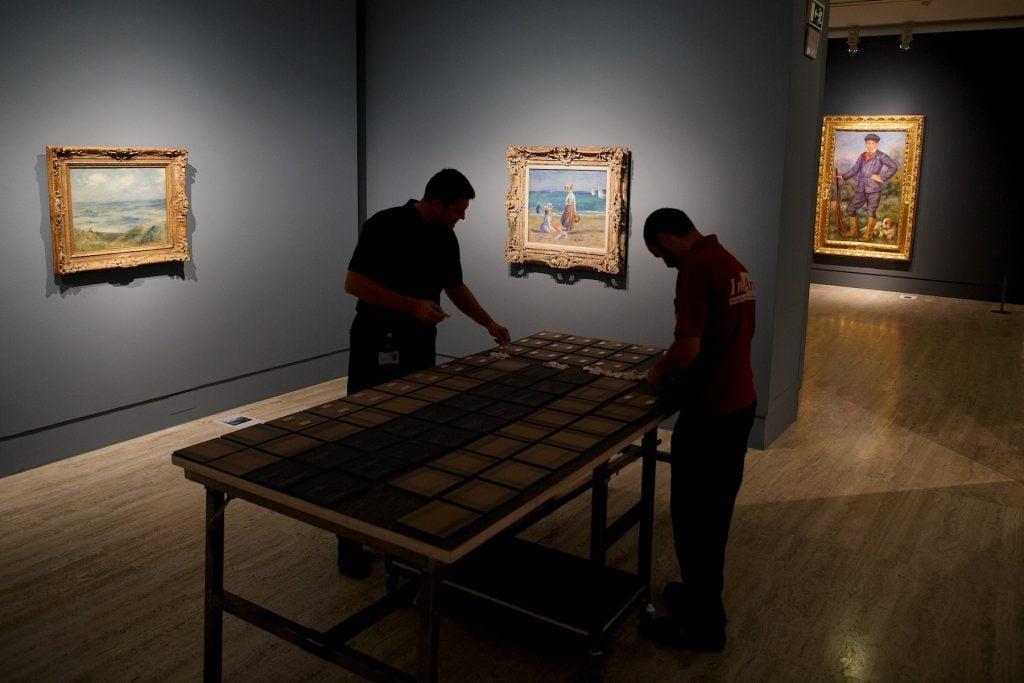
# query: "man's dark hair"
{"points": [[449, 186], [670, 221]]}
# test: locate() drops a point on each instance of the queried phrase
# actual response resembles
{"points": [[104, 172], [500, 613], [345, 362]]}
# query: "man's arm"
{"points": [[853, 170], [889, 167], [466, 302], [679, 355], [372, 292]]}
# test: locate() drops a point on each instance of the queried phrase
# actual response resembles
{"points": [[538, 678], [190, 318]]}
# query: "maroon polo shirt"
{"points": [[715, 302]]}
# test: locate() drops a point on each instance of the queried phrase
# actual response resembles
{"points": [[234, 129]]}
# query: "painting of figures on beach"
{"points": [[114, 208], [867, 186], [570, 207], [117, 207], [567, 207]]}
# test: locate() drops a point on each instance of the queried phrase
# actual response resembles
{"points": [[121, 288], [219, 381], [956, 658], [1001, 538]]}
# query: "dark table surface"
{"points": [[440, 454]]}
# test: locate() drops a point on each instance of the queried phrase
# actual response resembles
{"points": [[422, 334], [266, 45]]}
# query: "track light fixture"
{"points": [[853, 41], [905, 38]]}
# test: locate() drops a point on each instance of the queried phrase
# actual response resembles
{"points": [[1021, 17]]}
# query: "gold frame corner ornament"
{"points": [[831, 235], [609, 256], [61, 161]]}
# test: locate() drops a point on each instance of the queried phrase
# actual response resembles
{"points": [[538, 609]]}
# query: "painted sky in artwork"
{"points": [[117, 184], [555, 179]]}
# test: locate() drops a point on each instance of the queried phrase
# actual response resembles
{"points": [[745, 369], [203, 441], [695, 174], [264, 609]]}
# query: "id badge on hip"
{"points": [[389, 354]]}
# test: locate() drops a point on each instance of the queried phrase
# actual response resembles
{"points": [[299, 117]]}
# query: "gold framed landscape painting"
{"points": [[867, 186], [567, 207], [116, 207]]}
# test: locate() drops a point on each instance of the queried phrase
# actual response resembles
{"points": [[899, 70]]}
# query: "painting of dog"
{"points": [[887, 228]]}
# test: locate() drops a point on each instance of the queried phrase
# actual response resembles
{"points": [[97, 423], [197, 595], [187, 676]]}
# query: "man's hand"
{"points": [[372, 292], [427, 311], [683, 351], [655, 375], [499, 332]]}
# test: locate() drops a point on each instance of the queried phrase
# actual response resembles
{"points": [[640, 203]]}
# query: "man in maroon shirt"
{"points": [[707, 371]]}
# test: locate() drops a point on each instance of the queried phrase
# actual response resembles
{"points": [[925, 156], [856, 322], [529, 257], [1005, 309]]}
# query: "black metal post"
{"points": [[213, 612], [430, 621], [598, 558], [649, 455], [1002, 301]]}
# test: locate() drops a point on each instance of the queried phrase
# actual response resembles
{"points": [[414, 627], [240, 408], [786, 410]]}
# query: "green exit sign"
{"points": [[815, 14]]}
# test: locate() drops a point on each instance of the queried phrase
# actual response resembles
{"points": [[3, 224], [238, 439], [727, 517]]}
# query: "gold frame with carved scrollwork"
{"points": [[605, 251], [109, 249], [901, 138]]}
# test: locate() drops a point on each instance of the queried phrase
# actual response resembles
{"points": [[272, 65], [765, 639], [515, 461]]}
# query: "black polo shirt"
{"points": [[404, 253]]}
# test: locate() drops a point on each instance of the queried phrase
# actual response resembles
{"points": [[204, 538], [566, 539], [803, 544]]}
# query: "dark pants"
{"points": [[368, 339], [415, 344], [707, 470], [872, 199]]}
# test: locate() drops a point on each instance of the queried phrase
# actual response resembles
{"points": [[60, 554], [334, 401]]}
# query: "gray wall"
{"points": [[967, 235], [263, 96], [715, 101]]}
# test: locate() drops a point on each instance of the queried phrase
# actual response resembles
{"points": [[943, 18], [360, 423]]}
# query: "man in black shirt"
{"points": [[405, 257]]}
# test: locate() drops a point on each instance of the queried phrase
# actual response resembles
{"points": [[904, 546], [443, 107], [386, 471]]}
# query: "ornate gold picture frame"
{"points": [[567, 207], [867, 186], [116, 207]]}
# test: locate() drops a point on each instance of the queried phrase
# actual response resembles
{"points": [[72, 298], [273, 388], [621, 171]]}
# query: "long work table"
{"points": [[438, 471]]}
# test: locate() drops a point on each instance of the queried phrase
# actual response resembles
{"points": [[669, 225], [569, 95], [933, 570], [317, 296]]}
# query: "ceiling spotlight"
{"points": [[853, 41], [905, 38]]}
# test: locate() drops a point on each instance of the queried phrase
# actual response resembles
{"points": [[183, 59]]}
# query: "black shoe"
{"points": [[353, 561], [671, 632], [682, 605], [674, 596]]}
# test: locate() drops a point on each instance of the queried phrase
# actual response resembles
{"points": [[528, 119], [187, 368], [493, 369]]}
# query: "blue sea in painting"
{"points": [[119, 216], [586, 203]]}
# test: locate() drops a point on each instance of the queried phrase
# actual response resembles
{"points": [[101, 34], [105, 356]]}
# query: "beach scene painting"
{"points": [[115, 208], [567, 207], [570, 207]]}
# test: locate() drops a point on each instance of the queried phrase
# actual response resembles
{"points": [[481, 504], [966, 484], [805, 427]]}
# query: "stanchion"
{"points": [[1002, 301]]}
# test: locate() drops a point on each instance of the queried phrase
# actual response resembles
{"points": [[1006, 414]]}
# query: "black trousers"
{"points": [[707, 469], [415, 344], [416, 347]]}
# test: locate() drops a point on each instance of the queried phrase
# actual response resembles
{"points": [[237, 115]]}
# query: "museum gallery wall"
{"points": [[966, 239], [95, 356], [273, 180], [625, 82]]}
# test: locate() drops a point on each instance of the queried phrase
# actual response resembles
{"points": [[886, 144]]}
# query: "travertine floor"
{"points": [[880, 538]]}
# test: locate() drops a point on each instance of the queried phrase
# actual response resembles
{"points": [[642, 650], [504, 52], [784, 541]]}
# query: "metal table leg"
{"points": [[598, 558], [430, 621], [649, 453], [213, 612]]}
